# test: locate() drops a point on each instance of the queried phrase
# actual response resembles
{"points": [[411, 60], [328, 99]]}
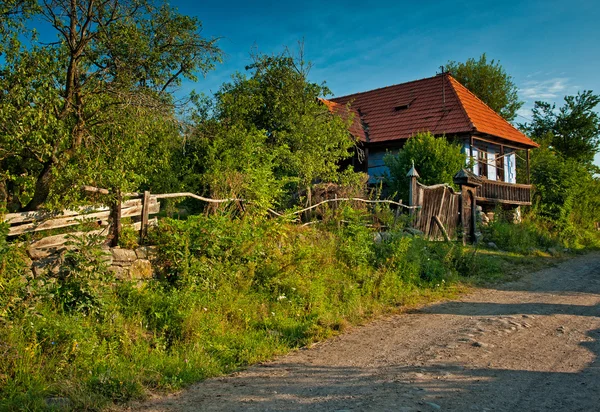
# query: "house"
{"points": [[383, 119]]}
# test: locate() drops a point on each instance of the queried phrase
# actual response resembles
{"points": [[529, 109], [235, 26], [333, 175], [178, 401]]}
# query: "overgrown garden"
{"points": [[234, 284]]}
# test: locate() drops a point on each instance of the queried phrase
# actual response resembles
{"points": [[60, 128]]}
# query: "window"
{"points": [[482, 161]]}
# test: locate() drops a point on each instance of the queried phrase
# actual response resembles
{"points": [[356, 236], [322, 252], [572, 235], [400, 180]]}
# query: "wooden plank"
{"points": [[42, 215], [59, 240], [78, 219]]}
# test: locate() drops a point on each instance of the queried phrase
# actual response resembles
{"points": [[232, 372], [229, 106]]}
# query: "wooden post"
{"points": [[308, 213], [145, 214], [503, 176], [472, 161], [116, 219], [469, 183], [528, 181], [413, 175]]}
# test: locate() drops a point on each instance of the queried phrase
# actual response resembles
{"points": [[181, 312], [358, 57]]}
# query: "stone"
{"points": [[50, 264], [480, 344], [37, 254], [141, 252], [434, 405], [119, 272], [151, 251], [123, 257], [492, 245], [141, 269]]}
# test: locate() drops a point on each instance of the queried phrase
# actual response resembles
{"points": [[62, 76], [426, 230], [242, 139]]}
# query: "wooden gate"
{"points": [[439, 215]]}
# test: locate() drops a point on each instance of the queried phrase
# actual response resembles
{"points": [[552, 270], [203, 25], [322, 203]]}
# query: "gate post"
{"points": [[469, 183], [412, 190]]}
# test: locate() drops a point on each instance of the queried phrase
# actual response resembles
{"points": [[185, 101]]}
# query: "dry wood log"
{"points": [[437, 221]]}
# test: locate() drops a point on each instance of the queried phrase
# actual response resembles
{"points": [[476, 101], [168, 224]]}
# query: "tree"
{"points": [[111, 58], [436, 159], [573, 130], [285, 137], [489, 82]]}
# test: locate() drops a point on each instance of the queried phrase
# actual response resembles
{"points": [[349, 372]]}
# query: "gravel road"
{"points": [[531, 345]]}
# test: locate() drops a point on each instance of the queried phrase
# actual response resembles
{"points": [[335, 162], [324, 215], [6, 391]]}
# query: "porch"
{"points": [[497, 192]]}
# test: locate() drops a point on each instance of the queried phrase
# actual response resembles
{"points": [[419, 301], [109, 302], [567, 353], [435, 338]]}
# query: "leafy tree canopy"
{"points": [[284, 135], [436, 159], [573, 130], [489, 81], [62, 101]]}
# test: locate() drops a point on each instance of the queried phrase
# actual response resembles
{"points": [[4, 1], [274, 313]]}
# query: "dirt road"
{"points": [[532, 345]]}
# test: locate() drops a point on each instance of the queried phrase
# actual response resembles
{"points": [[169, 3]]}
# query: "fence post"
{"points": [[116, 219], [145, 214], [412, 190], [469, 183]]}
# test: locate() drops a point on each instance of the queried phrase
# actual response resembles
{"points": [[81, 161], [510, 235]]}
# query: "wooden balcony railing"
{"points": [[492, 191]]}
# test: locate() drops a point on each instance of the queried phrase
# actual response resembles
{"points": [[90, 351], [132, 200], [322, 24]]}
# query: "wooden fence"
{"points": [[438, 216], [106, 220], [99, 217]]}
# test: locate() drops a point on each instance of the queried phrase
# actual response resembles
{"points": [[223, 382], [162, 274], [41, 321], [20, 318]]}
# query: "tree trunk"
{"points": [[42, 187]]}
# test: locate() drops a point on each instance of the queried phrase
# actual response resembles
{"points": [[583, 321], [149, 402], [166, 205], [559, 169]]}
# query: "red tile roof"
{"points": [[356, 127], [439, 104]]}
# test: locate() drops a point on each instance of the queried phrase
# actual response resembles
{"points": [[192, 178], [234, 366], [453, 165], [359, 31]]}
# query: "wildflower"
{"points": [[280, 297]]}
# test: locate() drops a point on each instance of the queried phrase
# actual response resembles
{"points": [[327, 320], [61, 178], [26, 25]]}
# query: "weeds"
{"points": [[227, 293]]}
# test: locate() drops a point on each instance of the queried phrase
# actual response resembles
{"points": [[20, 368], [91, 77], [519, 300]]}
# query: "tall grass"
{"points": [[228, 293]]}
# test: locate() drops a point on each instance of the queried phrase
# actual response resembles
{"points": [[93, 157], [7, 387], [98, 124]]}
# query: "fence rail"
{"points": [[492, 191]]}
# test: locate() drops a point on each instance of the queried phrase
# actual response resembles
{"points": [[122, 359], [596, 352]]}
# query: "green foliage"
{"points": [[490, 82], [14, 275], [266, 136], [230, 292], [436, 159], [95, 107], [573, 130], [83, 277], [128, 238]]}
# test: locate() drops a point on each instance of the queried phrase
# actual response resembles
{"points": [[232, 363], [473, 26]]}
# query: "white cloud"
{"points": [[546, 89]]}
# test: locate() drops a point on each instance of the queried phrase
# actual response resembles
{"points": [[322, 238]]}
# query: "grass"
{"points": [[228, 293]]}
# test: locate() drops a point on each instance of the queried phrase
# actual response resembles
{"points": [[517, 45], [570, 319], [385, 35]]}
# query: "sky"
{"points": [[550, 48]]}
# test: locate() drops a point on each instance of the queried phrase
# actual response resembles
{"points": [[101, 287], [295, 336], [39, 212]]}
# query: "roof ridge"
{"points": [[384, 87], [461, 105], [485, 104]]}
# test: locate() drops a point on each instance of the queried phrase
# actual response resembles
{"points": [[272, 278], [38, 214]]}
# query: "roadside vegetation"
{"points": [[234, 284], [229, 292]]}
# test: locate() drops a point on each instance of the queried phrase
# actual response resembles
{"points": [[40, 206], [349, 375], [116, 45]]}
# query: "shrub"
{"points": [[436, 159]]}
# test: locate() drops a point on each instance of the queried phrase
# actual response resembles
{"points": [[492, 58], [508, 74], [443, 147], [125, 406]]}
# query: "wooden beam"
{"points": [[528, 178], [437, 221], [503, 176], [144, 219], [72, 220], [471, 151]]}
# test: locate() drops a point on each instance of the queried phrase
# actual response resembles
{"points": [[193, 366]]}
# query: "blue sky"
{"points": [[551, 48]]}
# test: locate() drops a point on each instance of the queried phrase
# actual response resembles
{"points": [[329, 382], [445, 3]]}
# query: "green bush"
{"points": [[437, 160]]}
